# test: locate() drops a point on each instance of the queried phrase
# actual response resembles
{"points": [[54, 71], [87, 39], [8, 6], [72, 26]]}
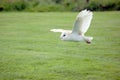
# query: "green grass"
{"points": [[29, 51]]}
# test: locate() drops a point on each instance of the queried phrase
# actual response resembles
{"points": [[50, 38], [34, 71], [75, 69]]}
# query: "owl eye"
{"points": [[64, 35]]}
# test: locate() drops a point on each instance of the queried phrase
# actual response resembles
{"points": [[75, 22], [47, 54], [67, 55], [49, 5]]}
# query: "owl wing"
{"points": [[82, 22]]}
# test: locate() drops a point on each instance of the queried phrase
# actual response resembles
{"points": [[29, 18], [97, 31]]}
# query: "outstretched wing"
{"points": [[57, 30], [61, 30], [82, 22]]}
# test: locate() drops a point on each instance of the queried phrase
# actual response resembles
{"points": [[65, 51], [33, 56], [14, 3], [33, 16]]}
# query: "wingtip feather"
{"points": [[56, 30], [84, 13]]}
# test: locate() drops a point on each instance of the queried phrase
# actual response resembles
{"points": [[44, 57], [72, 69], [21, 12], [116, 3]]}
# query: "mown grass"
{"points": [[29, 51]]}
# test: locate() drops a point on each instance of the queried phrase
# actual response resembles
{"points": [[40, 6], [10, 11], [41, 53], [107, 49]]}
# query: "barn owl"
{"points": [[80, 27]]}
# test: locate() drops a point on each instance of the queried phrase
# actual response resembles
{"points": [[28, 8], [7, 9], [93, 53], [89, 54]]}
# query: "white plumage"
{"points": [[80, 27]]}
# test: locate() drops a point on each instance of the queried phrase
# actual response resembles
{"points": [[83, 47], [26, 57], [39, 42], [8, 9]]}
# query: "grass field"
{"points": [[29, 51]]}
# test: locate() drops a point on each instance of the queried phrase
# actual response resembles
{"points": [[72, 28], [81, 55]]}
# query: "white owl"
{"points": [[81, 26]]}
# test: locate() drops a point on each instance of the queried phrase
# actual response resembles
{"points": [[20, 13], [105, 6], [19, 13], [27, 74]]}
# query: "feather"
{"points": [[82, 22], [57, 30]]}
